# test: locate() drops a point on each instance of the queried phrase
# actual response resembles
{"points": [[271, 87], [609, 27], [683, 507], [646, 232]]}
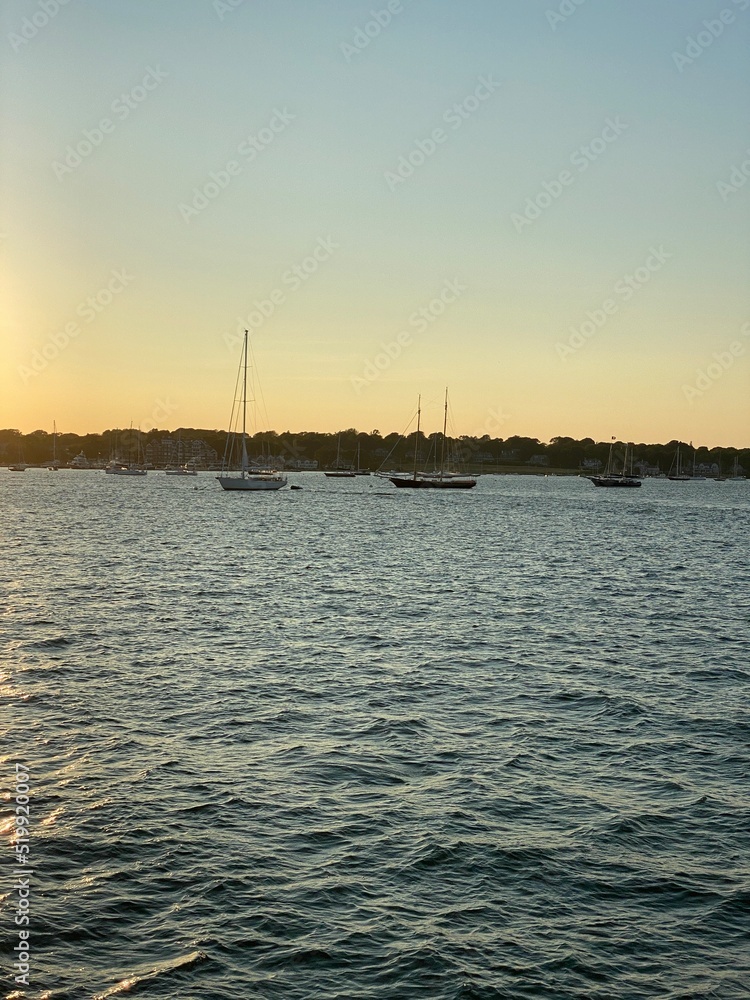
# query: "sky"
{"points": [[541, 204]]}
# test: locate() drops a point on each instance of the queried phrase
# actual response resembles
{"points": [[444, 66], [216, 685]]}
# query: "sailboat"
{"points": [[736, 477], [359, 471], [680, 475], [188, 469], [246, 480], [55, 464], [440, 480], [612, 478], [116, 467], [184, 470], [19, 466], [338, 472]]}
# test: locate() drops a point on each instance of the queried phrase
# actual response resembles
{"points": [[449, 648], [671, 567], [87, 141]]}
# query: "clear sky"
{"points": [[539, 203]]}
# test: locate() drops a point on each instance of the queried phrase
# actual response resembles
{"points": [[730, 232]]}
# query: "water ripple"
{"points": [[340, 743]]}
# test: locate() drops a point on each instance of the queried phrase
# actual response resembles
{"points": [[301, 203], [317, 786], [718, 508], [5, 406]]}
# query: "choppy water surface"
{"points": [[352, 743]]}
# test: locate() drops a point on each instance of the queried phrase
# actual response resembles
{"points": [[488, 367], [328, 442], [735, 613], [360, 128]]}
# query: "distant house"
{"points": [[538, 460], [302, 464], [177, 451], [591, 463], [270, 461]]}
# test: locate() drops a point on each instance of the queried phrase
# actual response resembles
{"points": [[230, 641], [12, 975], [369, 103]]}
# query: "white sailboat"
{"points": [[247, 479], [55, 465], [188, 469]]}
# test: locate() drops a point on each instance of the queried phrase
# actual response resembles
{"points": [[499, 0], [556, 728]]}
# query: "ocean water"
{"points": [[349, 742]]}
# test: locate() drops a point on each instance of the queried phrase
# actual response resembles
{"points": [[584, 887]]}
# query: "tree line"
{"points": [[373, 449]]}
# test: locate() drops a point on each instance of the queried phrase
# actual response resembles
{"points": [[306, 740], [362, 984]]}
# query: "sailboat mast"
{"points": [[416, 439], [244, 409], [445, 428]]}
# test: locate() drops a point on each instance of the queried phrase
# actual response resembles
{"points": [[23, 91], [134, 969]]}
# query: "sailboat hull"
{"points": [[433, 484], [251, 483], [614, 481]]}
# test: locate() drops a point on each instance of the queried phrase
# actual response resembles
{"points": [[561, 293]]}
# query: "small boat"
{"points": [[736, 477], [337, 472], [55, 465], [359, 471], [677, 470], [188, 469], [248, 479], [118, 468], [610, 478], [440, 480], [20, 465]]}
